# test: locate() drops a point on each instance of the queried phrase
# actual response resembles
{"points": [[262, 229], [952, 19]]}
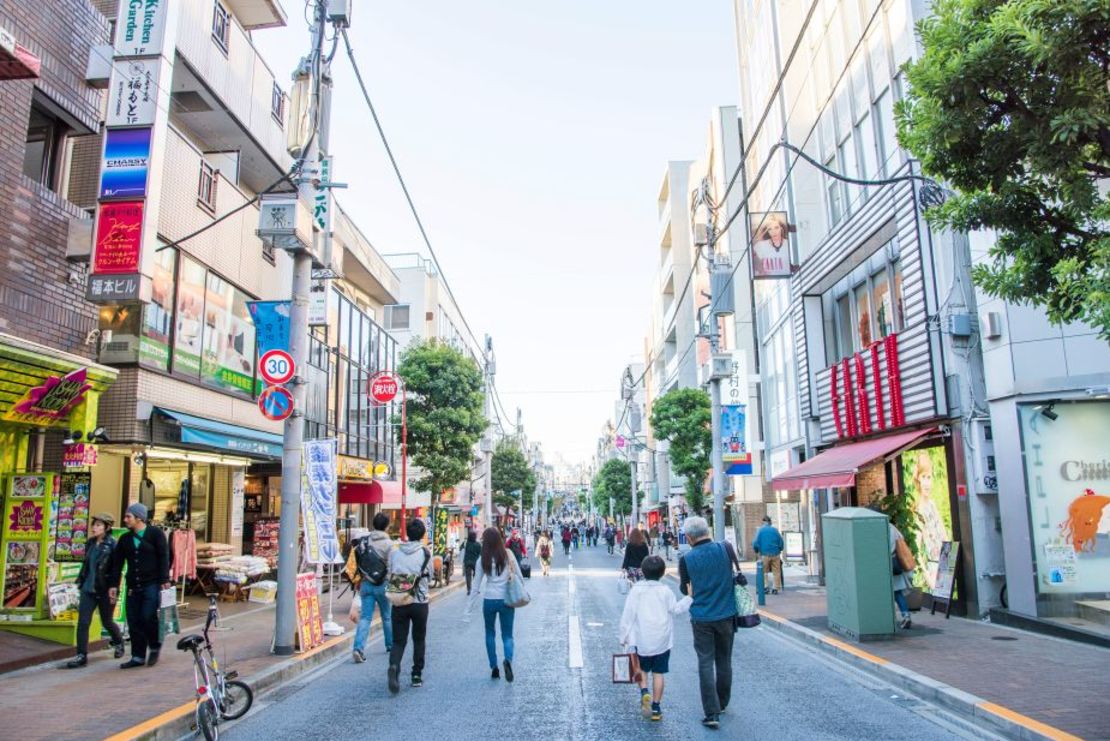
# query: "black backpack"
{"points": [[370, 563]]}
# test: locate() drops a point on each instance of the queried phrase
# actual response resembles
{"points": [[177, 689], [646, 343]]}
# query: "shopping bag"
{"points": [[526, 568], [624, 671], [355, 613], [747, 614], [623, 585], [168, 597]]}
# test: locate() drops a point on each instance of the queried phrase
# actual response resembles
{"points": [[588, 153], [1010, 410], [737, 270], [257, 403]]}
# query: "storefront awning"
{"points": [[213, 434], [838, 466], [360, 492], [16, 62]]}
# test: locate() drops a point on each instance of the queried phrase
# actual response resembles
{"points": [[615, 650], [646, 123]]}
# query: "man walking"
{"points": [[768, 545], [408, 564], [705, 573], [372, 561], [147, 556]]}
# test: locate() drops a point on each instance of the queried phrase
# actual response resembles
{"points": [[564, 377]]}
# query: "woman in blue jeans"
{"points": [[494, 570]]}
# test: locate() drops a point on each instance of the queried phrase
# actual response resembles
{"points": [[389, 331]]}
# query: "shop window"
{"points": [[154, 345], [899, 313], [882, 303], [221, 26], [844, 327], [44, 147], [862, 309], [181, 491], [206, 187]]}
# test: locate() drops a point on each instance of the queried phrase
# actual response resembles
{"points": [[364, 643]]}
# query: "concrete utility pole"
{"points": [[487, 441], [285, 625]]}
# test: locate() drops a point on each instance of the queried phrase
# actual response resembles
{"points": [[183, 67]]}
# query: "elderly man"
{"points": [[706, 574]]}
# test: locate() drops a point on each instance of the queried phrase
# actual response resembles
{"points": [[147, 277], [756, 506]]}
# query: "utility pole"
{"points": [[285, 624], [487, 441]]}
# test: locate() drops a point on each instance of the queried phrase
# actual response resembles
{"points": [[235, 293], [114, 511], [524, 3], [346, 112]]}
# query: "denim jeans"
{"points": [[491, 609], [713, 645], [372, 594]]}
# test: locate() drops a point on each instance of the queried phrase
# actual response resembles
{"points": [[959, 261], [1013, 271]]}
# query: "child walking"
{"points": [[647, 625]]}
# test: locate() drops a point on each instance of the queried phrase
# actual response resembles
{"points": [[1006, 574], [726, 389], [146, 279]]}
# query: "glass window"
{"points": [[42, 147], [835, 192], [206, 186], [888, 133], [277, 104], [154, 345], [189, 327], [899, 315], [868, 155], [221, 26], [883, 303], [863, 317], [844, 327], [850, 168]]}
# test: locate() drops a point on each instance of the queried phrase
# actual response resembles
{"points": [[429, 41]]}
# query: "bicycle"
{"points": [[220, 695]]}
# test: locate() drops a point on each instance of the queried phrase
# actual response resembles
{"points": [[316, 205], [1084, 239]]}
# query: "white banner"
{"points": [[238, 494], [133, 92], [319, 501]]}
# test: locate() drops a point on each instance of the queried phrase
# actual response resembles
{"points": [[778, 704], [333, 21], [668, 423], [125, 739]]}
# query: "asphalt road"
{"points": [[782, 690]]}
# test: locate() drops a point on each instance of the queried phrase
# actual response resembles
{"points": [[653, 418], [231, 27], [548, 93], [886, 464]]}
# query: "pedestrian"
{"points": [[494, 570], [147, 555], [575, 533], [903, 578], [471, 551], [408, 592], [768, 545], [566, 541], [517, 546], [647, 626], [634, 555], [668, 541], [706, 574], [610, 538], [545, 548], [93, 581], [372, 567]]}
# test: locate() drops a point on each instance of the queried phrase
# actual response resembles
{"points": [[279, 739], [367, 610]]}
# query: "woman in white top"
{"points": [[494, 570], [902, 581]]}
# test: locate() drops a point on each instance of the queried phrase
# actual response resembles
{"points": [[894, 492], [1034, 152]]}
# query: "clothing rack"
{"points": [[174, 526]]}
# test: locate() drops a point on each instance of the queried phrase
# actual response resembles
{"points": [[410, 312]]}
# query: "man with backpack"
{"points": [[407, 590], [371, 556]]}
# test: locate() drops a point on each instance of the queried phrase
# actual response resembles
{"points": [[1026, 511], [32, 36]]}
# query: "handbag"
{"points": [[747, 614], [515, 593], [623, 585], [526, 568], [904, 554]]}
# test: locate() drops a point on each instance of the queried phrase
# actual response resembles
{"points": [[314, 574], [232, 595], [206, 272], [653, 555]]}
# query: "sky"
{"points": [[533, 138]]}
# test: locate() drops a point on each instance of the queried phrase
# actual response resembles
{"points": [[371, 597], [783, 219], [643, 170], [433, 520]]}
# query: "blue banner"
{"points": [[271, 323], [319, 500], [736, 457]]}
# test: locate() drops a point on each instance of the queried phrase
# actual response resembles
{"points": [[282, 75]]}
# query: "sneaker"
{"points": [[394, 680], [904, 622], [645, 705], [495, 673], [711, 721], [656, 711], [508, 670], [417, 681], [77, 662], [117, 651], [358, 656], [774, 591]]}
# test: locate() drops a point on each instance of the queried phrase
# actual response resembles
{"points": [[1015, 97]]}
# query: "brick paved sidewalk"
{"points": [[1055, 681], [101, 699]]}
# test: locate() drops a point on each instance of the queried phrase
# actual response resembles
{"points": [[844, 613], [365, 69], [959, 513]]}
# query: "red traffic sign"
{"points": [[276, 403], [383, 387], [276, 367]]}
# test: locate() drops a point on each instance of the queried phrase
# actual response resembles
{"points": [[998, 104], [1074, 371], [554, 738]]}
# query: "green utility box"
{"points": [[858, 577]]}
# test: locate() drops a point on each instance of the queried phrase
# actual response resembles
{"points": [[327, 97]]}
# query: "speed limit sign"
{"points": [[276, 367]]}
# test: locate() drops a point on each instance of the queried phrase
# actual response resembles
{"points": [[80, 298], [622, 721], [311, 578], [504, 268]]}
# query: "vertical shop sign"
{"points": [[736, 457], [124, 169], [133, 94], [119, 237], [141, 27], [238, 497], [319, 494]]}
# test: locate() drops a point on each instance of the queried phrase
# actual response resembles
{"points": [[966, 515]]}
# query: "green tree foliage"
{"points": [[445, 417], [1010, 103], [613, 480], [682, 418], [509, 472]]}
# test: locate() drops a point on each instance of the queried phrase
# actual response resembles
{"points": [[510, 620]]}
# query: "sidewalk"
{"points": [[1056, 682], [101, 699]]}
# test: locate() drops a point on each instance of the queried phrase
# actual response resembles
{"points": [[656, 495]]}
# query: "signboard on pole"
{"points": [[275, 403], [735, 455], [123, 171], [319, 497], [383, 387], [141, 27], [276, 367], [119, 237], [133, 94]]}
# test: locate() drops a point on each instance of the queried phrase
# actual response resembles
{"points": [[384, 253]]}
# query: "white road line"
{"points": [[574, 645]]}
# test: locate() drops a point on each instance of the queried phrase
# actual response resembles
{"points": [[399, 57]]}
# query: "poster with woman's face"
{"points": [[190, 318], [925, 483], [770, 233]]}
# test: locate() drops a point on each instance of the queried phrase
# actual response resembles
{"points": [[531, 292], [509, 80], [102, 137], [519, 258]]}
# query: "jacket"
{"points": [[412, 558], [634, 555], [101, 582], [545, 541], [707, 567], [648, 618], [472, 551], [148, 562], [768, 541]]}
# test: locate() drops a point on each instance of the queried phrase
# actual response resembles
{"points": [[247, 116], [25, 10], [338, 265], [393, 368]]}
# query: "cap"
{"points": [[106, 518]]}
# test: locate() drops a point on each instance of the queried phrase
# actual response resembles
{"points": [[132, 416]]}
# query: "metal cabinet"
{"points": [[858, 578]]}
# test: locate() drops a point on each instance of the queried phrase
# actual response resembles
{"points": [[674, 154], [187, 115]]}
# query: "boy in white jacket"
{"points": [[647, 625]]}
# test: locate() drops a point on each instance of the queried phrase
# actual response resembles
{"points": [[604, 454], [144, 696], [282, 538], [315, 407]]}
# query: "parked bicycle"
{"points": [[220, 695]]}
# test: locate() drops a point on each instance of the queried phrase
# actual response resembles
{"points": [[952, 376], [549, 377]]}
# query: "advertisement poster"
{"points": [[238, 495], [310, 627], [189, 318], [770, 234], [1069, 495], [925, 483], [734, 445], [123, 170], [271, 321], [227, 361], [46, 405], [154, 344], [71, 529], [119, 237], [945, 577], [27, 485], [319, 496], [133, 93], [21, 575]]}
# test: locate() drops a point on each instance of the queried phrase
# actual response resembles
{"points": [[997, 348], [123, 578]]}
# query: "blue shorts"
{"points": [[658, 664]]}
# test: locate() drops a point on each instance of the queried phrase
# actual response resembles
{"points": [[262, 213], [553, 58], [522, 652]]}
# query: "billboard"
{"points": [[770, 234], [119, 237], [133, 93], [123, 171]]}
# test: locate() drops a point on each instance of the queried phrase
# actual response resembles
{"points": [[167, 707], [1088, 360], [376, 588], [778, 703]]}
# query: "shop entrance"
{"points": [[179, 492]]}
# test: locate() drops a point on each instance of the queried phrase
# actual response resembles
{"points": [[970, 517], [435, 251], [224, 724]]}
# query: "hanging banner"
{"points": [[119, 238], [736, 457], [123, 171], [770, 233], [271, 324], [133, 94], [319, 495]]}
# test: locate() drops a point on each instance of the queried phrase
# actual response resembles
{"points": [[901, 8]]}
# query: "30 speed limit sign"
{"points": [[276, 367]]}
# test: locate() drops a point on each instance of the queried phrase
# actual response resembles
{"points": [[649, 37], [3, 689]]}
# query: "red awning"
{"points": [[16, 62], [838, 466], [360, 492]]}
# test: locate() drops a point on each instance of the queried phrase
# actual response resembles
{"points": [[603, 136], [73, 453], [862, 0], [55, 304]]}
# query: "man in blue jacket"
{"points": [[768, 544]]}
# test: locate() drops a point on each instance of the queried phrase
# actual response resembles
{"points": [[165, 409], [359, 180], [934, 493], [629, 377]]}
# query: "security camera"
{"points": [[139, 459], [92, 337]]}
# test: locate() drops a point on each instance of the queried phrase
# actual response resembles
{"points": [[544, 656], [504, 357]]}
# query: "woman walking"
{"points": [[545, 548], [495, 569], [635, 554], [94, 584]]}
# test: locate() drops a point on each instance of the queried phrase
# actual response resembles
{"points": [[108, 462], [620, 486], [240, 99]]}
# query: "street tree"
{"points": [[510, 472], [614, 480], [682, 418], [1010, 104], [445, 417]]}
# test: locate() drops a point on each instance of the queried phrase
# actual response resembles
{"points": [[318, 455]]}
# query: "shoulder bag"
{"points": [[515, 593]]}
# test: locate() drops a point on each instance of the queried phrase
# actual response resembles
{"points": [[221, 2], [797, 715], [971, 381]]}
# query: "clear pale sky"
{"points": [[533, 138]]}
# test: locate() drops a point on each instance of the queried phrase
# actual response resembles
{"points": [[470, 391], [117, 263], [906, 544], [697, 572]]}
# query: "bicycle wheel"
{"points": [[207, 720], [237, 699]]}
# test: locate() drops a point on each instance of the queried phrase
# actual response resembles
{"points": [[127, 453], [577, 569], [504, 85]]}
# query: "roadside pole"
{"points": [[487, 441], [715, 376]]}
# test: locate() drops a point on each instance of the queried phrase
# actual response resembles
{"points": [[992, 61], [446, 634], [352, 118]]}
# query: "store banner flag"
{"points": [[736, 457], [271, 324], [319, 498]]}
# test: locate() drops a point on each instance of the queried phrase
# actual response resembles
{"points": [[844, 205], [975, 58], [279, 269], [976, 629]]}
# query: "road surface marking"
{"points": [[575, 643], [1027, 722], [595, 625]]}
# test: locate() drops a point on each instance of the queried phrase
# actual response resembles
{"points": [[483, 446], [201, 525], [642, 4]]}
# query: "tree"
{"points": [[682, 418], [445, 417], [510, 472], [1010, 103], [613, 480]]}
